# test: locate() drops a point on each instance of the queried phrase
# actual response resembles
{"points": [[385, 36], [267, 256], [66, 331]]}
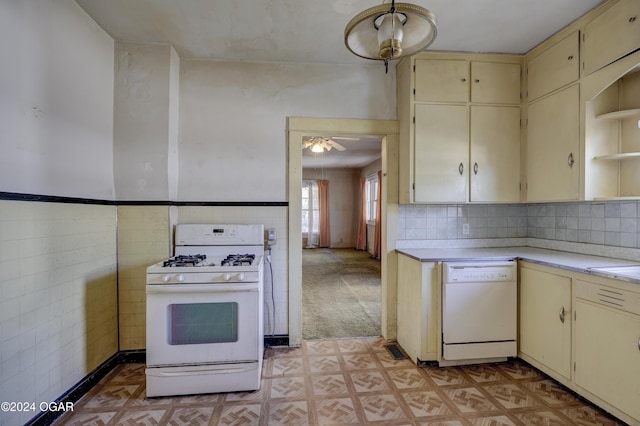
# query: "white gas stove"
{"points": [[196, 341]]}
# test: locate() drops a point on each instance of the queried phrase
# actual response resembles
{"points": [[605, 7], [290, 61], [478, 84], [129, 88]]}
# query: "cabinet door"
{"points": [[612, 35], [441, 153], [495, 154], [552, 147], [555, 67], [441, 80], [608, 355], [495, 83], [545, 319]]}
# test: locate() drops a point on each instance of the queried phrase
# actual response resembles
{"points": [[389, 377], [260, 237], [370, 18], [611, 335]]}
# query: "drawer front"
{"points": [[608, 296]]}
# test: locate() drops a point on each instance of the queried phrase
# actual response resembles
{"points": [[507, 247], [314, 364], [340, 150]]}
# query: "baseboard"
{"points": [[122, 357], [276, 340], [78, 390]]}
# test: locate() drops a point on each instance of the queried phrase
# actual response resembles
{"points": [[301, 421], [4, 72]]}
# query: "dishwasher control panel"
{"points": [[487, 271]]}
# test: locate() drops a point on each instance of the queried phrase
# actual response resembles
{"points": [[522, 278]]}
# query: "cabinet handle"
{"points": [[570, 160], [570, 57], [461, 169], [632, 19], [562, 315], [639, 344], [475, 168]]}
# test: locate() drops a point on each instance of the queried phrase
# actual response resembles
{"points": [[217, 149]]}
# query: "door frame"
{"points": [[387, 130]]}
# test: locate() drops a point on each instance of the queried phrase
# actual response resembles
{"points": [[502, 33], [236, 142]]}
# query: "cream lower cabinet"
{"points": [[545, 320], [418, 308], [607, 351]]}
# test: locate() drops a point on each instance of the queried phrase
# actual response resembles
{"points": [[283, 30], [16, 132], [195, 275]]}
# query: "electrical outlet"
{"points": [[465, 229]]}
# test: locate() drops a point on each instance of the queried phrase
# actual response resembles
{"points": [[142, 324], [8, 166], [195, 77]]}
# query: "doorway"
{"points": [[387, 130], [341, 286]]}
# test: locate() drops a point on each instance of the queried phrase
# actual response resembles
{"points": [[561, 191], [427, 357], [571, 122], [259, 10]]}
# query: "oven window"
{"points": [[202, 323]]}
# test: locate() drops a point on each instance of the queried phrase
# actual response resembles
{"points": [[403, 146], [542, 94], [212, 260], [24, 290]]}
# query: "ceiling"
{"points": [[312, 31], [358, 153]]}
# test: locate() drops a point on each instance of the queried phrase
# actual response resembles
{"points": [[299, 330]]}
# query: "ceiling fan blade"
{"points": [[337, 146], [344, 138]]}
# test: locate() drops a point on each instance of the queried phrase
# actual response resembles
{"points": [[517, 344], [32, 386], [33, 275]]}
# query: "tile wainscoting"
{"points": [[611, 227]]}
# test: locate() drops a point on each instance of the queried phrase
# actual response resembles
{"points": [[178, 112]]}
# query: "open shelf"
{"points": [[621, 156], [620, 115]]}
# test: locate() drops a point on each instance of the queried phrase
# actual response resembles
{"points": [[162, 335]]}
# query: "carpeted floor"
{"points": [[340, 294]]}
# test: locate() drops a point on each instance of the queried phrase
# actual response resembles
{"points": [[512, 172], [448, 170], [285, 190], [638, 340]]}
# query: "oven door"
{"points": [[190, 324]]}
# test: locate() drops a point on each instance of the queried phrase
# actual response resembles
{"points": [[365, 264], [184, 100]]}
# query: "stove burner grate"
{"points": [[185, 260], [238, 260]]}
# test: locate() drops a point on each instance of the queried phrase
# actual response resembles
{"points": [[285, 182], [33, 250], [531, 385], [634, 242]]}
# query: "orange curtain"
{"points": [[361, 241], [324, 237], [377, 240]]}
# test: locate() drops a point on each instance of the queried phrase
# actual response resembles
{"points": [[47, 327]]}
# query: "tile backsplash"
{"points": [[611, 223]]}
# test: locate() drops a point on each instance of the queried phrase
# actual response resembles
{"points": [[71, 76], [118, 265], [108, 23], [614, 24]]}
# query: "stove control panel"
{"points": [[454, 272], [208, 278]]}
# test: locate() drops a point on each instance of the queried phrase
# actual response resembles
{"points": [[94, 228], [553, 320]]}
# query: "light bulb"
{"points": [[317, 148], [390, 35]]}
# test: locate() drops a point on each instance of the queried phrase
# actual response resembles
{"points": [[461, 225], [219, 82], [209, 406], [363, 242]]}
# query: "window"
{"points": [[310, 212], [372, 197]]}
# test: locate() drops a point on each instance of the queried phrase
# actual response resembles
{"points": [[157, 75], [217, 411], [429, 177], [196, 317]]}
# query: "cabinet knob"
{"points": [[475, 168], [477, 81], [461, 169], [570, 160], [570, 57], [562, 315], [632, 19], [463, 79]]}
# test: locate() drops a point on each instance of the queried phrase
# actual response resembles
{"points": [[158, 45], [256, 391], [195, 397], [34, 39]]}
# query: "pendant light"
{"points": [[389, 32]]}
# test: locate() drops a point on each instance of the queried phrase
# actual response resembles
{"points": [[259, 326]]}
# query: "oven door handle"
{"points": [[199, 288]]}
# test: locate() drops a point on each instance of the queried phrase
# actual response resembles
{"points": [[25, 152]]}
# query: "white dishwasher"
{"points": [[479, 311]]}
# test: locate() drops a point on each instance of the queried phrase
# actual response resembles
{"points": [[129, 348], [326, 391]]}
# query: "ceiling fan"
{"points": [[321, 143]]}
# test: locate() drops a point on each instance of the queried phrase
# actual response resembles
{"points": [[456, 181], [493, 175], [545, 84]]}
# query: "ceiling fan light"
{"points": [[317, 148]]}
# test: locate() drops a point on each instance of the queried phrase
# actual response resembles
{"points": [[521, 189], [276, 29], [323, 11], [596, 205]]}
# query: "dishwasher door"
{"points": [[479, 310]]}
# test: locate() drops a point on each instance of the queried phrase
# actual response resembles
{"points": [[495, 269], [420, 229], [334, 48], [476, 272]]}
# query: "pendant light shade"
{"points": [[389, 32]]}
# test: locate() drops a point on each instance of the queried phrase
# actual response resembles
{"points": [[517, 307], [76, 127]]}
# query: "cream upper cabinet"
{"points": [[441, 80], [553, 146], [441, 153], [495, 83], [494, 167], [451, 105], [611, 35], [557, 66], [545, 320], [607, 352]]}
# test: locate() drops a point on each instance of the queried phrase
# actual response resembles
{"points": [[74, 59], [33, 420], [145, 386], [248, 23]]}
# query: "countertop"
{"points": [[554, 258]]}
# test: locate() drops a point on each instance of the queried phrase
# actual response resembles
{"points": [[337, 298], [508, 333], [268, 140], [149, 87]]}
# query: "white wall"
{"points": [[58, 302], [145, 121], [344, 205], [56, 101], [233, 120]]}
